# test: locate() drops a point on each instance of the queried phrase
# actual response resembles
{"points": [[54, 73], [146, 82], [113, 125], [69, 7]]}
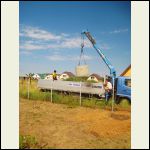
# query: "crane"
{"points": [[105, 59], [107, 62]]}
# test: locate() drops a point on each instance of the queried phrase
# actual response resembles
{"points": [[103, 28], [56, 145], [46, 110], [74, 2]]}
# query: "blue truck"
{"points": [[122, 89], [121, 84]]}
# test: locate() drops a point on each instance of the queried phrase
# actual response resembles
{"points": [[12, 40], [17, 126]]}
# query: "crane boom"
{"points": [[107, 62]]}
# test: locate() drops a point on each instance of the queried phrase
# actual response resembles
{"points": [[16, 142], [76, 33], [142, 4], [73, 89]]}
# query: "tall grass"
{"points": [[70, 100]]}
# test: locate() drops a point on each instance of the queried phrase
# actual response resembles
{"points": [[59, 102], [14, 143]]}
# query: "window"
{"points": [[128, 82], [92, 78]]}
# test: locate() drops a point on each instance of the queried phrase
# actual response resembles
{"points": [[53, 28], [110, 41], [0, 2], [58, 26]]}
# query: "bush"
{"points": [[124, 103], [77, 79], [27, 142]]}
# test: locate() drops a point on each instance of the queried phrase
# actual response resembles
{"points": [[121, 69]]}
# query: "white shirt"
{"points": [[109, 86]]}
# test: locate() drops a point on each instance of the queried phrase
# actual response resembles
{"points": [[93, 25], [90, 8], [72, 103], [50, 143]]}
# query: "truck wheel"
{"points": [[124, 102]]}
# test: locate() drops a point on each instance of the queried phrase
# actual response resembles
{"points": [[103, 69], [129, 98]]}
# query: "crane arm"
{"points": [[107, 62]]}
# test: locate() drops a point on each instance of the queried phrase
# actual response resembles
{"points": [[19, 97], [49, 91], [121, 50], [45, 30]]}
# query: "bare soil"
{"points": [[60, 126]]}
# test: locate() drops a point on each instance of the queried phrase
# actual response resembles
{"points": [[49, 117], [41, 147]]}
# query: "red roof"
{"points": [[69, 73], [96, 75]]}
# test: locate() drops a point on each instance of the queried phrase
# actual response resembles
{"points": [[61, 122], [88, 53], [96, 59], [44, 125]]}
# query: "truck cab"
{"points": [[123, 88]]}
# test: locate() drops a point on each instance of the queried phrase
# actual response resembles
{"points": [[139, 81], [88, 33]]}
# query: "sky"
{"points": [[50, 36]]}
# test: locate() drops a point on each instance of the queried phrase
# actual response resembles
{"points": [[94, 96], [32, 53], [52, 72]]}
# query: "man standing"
{"points": [[108, 90], [54, 75]]}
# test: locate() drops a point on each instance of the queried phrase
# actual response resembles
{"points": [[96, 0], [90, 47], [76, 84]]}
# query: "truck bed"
{"points": [[70, 86]]}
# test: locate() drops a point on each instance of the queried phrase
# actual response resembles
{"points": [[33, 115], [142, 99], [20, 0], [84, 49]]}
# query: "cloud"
{"points": [[77, 58], [74, 42], [34, 38], [27, 46], [37, 33], [65, 34], [118, 31], [38, 40], [25, 52], [104, 46], [57, 57]]}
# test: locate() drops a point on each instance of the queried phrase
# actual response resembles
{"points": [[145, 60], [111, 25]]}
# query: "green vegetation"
{"points": [[30, 76], [69, 99], [124, 103], [27, 142], [77, 79], [43, 75], [82, 79], [30, 142]]}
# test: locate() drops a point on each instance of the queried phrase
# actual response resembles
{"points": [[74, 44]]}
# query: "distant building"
{"points": [[42, 75], [94, 77], [23, 76], [50, 77], [65, 75], [127, 71], [36, 76]]}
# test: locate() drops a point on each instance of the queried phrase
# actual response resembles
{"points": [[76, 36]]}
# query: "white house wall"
{"points": [[62, 76], [94, 78]]}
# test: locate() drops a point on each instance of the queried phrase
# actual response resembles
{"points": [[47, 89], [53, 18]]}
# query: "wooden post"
{"points": [[80, 95], [28, 88], [112, 109], [51, 92]]}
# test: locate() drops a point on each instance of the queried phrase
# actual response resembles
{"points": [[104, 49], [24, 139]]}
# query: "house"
{"points": [[42, 75], [50, 77], [36, 76], [65, 75], [23, 76], [127, 71], [94, 77]]}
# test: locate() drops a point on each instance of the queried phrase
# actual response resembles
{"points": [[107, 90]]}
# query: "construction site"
{"points": [[48, 125], [61, 112], [67, 71]]}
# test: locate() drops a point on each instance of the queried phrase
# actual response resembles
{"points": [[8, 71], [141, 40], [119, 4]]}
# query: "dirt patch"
{"points": [[120, 116], [57, 126]]}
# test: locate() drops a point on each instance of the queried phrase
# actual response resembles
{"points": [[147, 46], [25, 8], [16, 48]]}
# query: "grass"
{"points": [[70, 100], [27, 142], [124, 103], [82, 79], [30, 142], [77, 79]]}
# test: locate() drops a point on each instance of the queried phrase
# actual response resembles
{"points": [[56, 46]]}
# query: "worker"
{"points": [[54, 75], [108, 90]]}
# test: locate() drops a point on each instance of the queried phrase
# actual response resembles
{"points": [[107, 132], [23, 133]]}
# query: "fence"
{"points": [[69, 86]]}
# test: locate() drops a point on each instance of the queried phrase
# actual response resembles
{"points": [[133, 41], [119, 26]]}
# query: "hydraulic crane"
{"points": [[107, 62]]}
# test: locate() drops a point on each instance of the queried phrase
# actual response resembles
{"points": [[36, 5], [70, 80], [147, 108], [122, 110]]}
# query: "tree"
{"points": [[30, 76]]}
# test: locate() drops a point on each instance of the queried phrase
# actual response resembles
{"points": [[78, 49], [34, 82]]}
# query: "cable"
{"points": [[82, 53]]}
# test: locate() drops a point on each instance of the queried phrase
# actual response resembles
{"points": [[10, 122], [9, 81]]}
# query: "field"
{"points": [[67, 125]]}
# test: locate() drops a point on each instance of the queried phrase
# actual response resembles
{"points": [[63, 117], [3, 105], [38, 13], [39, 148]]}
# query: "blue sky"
{"points": [[50, 35]]}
